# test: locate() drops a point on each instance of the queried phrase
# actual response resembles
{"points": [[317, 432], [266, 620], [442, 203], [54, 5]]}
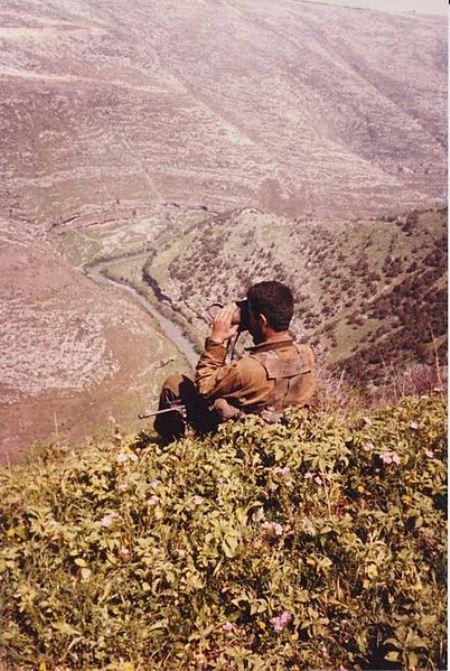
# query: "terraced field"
{"points": [[294, 107]]}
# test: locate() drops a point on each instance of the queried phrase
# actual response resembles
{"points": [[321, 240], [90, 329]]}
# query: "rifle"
{"points": [[152, 413]]}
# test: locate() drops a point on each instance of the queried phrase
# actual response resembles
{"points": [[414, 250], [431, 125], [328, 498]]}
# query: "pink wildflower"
{"points": [[428, 452], [155, 483], [198, 500], [367, 447], [318, 479], [308, 475], [122, 457], [278, 529], [279, 622], [414, 426], [342, 668], [390, 457], [228, 626], [153, 501], [124, 550], [282, 471], [133, 457], [107, 521]]}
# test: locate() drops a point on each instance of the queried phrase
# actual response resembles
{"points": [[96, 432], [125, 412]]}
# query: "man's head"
{"points": [[271, 306]]}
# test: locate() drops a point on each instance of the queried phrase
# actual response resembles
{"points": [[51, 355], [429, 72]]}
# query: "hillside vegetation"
{"points": [[370, 293], [318, 543]]}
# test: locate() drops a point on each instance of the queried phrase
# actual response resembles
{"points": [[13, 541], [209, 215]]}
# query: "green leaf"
{"points": [[86, 573], [65, 628], [229, 546], [392, 656], [413, 660], [161, 624], [394, 642], [372, 571], [428, 619], [361, 640], [415, 641]]}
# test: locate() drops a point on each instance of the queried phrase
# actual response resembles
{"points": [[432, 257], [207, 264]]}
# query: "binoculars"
{"points": [[241, 314]]}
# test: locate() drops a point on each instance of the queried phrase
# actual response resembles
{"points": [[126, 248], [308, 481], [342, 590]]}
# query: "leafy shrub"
{"points": [[318, 543]]}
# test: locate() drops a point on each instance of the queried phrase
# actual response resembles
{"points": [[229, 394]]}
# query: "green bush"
{"points": [[315, 544]]}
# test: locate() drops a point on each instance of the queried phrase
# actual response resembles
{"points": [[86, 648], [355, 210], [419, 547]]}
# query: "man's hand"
{"points": [[222, 328], [226, 411]]}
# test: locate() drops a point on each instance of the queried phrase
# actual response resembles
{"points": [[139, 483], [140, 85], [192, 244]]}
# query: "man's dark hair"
{"points": [[275, 301]]}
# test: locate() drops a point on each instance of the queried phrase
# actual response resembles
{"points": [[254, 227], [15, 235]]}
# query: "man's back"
{"points": [[274, 374], [271, 375]]}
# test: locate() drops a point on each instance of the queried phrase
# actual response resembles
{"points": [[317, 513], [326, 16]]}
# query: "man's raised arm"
{"points": [[213, 378]]}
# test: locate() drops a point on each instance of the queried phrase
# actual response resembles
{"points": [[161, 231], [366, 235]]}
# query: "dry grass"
{"points": [[335, 391]]}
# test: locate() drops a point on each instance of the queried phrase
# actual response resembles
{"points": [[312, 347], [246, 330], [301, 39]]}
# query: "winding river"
{"points": [[167, 327]]}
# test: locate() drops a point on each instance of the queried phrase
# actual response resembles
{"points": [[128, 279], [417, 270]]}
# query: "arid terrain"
{"points": [[67, 367], [214, 143]]}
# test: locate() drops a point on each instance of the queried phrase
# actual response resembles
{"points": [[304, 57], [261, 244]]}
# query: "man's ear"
{"points": [[262, 319]]}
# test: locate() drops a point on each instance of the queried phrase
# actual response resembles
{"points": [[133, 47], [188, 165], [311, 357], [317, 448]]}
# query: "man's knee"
{"points": [[177, 387], [171, 425], [173, 382]]}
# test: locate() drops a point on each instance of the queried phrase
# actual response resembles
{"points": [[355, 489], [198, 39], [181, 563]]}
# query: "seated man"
{"points": [[275, 373]]}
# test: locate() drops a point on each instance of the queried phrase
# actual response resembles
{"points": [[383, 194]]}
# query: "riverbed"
{"points": [[171, 330]]}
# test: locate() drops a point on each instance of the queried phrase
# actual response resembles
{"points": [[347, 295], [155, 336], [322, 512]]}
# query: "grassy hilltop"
{"points": [[318, 543]]}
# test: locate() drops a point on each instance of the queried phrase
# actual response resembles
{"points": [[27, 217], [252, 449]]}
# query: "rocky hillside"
{"points": [[124, 123], [66, 368], [307, 109]]}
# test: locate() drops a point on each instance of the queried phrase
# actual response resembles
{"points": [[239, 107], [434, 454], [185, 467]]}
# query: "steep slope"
{"points": [[300, 108], [66, 367], [123, 123]]}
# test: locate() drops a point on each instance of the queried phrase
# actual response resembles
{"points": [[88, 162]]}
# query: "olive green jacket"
{"points": [[246, 382]]}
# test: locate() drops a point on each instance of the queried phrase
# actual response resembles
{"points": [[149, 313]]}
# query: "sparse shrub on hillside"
{"points": [[365, 269], [311, 544]]}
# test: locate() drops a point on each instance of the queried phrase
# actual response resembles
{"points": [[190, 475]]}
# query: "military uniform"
{"points": [[271, 377], [250, 383]]}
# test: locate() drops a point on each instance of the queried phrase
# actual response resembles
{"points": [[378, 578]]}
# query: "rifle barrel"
{"points": [[153, 413]]}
